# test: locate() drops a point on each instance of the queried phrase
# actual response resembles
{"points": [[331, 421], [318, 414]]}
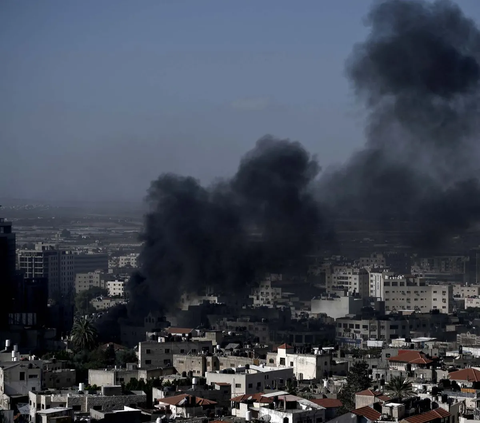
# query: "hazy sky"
{"points": [[97, 98]]}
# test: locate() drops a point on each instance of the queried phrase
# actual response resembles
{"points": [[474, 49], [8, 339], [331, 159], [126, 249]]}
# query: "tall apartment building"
{"points": [[405, 294], [59, 267], [7, 268], [351, 279], [85, 281], [377, 278], [45, 261]]}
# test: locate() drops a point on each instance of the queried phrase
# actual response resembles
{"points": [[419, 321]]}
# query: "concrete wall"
{"points": [[160, 354], [20, 379], [56, 379]]}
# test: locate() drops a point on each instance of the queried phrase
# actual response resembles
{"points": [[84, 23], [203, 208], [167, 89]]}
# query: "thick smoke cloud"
{"points": [[219, 237], [418, 75]]}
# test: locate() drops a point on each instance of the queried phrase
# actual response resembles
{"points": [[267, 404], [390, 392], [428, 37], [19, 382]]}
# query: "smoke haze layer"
{"points": [[219, 237]]}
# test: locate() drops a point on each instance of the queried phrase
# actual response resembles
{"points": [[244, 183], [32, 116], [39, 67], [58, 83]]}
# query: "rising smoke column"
{"points": [[418, 75], [197, 237]]}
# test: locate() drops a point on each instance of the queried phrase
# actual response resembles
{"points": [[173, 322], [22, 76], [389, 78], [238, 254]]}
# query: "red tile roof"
{"points": [[178, 398], [471, 375], [285, 347], [258, 397], [367, 412], [366, 393], [412, 357], [438, 413], [328, 402]]}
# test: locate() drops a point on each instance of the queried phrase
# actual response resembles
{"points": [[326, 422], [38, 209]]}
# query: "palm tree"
{"points": [[84, 334], [399, 387]]}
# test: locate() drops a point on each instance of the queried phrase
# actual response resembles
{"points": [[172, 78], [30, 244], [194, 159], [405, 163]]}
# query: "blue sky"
{"points": [[97, 98]]}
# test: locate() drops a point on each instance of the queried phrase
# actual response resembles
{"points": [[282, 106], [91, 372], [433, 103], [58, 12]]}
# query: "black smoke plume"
{"points": [[221, 236], [418, 76]]}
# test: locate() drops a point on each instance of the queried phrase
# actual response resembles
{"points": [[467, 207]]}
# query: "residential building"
{"points": [[85, 281], [313, 367], [116, 288], [251, 379], [108, 399], [292, 409], [377, 278], [336, 306], [266, 293], [20, 377], [128, 260], [160, 354], [352, 279], [405, 294], [116, 376]]}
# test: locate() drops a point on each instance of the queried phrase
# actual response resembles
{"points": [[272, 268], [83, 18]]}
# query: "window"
{"points": [[271, 360], [32, 376], [238, 385], [249, 385], [148, 351], [22, 375], [282, 361], [291, 363], [167, 351], [76, 408], [148, 361]]}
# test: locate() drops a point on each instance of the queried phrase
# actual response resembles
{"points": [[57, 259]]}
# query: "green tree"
{"points": [[399, 387], [83, 298], [84, 334], [357, 380]]}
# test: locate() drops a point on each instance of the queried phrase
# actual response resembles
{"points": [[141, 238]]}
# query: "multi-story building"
{"points": [[377, 277], [20, 377], [85, 281], [116, 288], [266, 294], [374, 260], [352, 279], [335, 306], [405, 294], [465, 291], [59, 267], [128, 260], [358, 331], [46, 261], [160, 354], [7, 269]]}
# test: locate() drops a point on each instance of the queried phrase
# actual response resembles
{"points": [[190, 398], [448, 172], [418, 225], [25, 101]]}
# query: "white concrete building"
{"points": [[128, 260], [116, 288], [377, 278], [335, 306], [85, 281], [252, 379], [351, 279], [20, 377], [405, 294], [314, 366]]}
